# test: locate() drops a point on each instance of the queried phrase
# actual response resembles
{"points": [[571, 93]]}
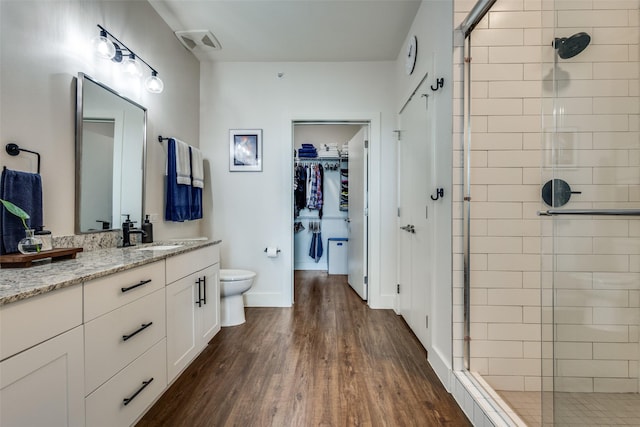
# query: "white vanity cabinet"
{"points": [[125, 345], [42, 367], [193, 305]]}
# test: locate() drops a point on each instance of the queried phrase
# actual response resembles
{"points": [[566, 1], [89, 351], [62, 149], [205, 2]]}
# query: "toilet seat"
{"points": [[236, 275]]}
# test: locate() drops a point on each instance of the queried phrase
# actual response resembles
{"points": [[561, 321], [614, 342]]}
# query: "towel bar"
{"points": [[14, 150]]}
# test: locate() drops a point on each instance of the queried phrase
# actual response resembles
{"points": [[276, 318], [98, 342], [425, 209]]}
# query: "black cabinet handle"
{"points": [[128, 400], [142, 282], [142, 328], [199, 301], [204, 288]]}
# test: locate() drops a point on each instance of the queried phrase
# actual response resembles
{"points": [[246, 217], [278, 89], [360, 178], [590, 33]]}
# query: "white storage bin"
{"points": [[338, 255]]}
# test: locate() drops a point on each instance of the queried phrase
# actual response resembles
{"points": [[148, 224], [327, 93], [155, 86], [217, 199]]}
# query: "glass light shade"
{"points": [[131, 66], [103, 47], [153, 83]]}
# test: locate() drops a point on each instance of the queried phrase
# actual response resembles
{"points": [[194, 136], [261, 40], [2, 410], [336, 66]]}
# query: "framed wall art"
{"points": [[245, 150]]}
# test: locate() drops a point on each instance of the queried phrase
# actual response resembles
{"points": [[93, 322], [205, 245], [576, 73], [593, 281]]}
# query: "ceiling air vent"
{"points": [[193, 38]]}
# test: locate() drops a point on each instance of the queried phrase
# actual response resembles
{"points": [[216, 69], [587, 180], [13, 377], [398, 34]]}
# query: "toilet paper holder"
{"points": [[277, 250]]}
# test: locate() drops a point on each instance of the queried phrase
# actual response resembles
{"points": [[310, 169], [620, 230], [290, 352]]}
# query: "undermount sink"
{"points": [[159, 248]]}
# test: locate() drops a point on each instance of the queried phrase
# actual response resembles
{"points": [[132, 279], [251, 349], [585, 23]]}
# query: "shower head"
{"points": [[568, 47]]}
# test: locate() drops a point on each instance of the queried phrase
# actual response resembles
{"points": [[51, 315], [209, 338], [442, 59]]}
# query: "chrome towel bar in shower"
{"points": [[590, 212]]}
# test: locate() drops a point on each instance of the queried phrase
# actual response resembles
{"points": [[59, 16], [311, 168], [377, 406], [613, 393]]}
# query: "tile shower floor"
{"points": [[577, 409]]}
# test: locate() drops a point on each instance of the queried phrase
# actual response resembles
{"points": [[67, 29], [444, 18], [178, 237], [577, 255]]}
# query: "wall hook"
{"points": [[439, 193], [439, 84]]}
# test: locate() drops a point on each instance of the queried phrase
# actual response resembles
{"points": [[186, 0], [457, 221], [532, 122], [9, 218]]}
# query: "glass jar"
{"points": [[30, 244], [45, 236]]}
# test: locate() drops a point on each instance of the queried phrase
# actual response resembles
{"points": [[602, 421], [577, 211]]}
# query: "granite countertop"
{"points": [[20, 283]]}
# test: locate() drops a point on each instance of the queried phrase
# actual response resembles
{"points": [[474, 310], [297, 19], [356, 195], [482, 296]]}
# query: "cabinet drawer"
{"points": [[107, 351], [110, 292], [106, 406], [26, 323], [182, 265]]}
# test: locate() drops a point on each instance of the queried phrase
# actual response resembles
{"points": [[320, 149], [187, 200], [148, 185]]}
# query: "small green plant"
{"points": [[16, 211]]}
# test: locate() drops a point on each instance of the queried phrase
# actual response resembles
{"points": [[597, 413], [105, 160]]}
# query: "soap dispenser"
{"points": [[147, 227]]}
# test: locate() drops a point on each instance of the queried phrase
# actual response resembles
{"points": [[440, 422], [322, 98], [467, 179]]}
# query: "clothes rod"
{"points": [[591, 212], [315, 218]]}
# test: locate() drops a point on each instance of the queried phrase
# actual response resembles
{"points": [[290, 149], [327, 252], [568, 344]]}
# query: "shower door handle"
{"points": [[590, 212]]}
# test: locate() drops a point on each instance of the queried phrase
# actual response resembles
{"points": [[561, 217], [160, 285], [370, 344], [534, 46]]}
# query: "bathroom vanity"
{"points": [[95, 341]]}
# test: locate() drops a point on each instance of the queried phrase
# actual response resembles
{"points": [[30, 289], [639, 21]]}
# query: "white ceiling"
{"points": [[295, 30]]}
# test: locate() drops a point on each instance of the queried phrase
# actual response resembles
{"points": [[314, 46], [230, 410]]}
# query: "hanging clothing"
{"points": [[315, 251], [300, 189]]}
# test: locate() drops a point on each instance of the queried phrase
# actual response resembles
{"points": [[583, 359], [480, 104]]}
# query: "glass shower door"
{"points": [[591, 180]]}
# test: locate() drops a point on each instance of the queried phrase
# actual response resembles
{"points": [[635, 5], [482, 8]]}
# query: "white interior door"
{"points": [[358, 224], [415, 234]]}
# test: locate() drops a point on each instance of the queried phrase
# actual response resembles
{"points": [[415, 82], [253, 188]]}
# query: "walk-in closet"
{"points": [[323, 224]]}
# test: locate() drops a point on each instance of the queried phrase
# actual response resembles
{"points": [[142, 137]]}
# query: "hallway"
{"points": [[328, 361]]}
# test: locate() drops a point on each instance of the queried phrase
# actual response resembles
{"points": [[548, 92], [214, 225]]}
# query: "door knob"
{"points": [[411, 229]]}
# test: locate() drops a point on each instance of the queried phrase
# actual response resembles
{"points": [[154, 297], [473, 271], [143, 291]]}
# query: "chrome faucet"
{"points": [[128, 230]]}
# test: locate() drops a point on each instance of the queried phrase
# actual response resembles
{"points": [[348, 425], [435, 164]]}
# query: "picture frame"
{"points": [[245, 150]]}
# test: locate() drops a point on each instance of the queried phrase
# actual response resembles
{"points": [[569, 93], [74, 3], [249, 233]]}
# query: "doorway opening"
{"points": [[330, 199]]}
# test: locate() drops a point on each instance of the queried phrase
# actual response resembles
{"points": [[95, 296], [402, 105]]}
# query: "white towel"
{"points": [[183, 164], [197, 168]]}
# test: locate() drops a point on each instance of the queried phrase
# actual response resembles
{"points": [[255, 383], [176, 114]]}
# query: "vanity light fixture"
{"points": [[107, 46]]}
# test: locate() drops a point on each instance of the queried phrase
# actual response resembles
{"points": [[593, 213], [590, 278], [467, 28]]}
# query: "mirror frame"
{"points": [[78, 149]]}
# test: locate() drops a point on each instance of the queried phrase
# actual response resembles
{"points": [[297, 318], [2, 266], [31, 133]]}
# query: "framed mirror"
{"points": [[110, 157]]}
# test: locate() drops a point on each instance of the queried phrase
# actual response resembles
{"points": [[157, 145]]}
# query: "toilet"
{"points": [[233, 283]]}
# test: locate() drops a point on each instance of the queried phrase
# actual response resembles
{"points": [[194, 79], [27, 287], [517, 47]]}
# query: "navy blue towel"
{"points": [[24, 190], [196, 197], [178, 196], [315, 251]]}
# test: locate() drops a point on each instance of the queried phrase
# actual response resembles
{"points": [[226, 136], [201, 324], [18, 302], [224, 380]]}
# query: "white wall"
{"points": [[254, 210], [433, 27], [43, 46]]}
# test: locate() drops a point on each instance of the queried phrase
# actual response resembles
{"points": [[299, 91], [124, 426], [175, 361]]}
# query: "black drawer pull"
{"points": [[204, 289], [128, 400], [199, 301], [142, 328], [142, 282]]}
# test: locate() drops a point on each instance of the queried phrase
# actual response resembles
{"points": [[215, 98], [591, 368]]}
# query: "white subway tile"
{"points": [[573, 315], [513, 193], [506, 366], [523, 89], [592, 227], [513, 297], [615, 385], [498, 37], [496, 279], [501, 106], [572, 384], [616, 316], [497, 141], [510, 159], [574, 350], [496, 245], [517, 55], [592, 298], [616, 245], [617, 105], [507, 383], [616, 175], [587, 333], [573, 280], [590, 88], [615, 4], [592, 18], [574, 245], [498, 123], [630, 281], [529, 19], [592, 368], [508, 262], [616, 140], [496, 210], [491, 349], [513, 331]]}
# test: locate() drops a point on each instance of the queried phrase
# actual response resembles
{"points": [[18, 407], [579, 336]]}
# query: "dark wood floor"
{"points": [[328, 361]]}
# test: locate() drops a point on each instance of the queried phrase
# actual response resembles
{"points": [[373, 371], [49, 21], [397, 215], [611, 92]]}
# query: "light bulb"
{"points": [[102, 46], [131, 66], [153, 83]]}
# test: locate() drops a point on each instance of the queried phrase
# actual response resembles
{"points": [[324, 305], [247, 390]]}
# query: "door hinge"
{"points": [[366, 280], [398, 288], [366, 144], [398, 212], [427, 321]]}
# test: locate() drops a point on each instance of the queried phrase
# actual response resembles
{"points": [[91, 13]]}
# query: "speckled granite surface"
{"points": [[19, 283]]}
